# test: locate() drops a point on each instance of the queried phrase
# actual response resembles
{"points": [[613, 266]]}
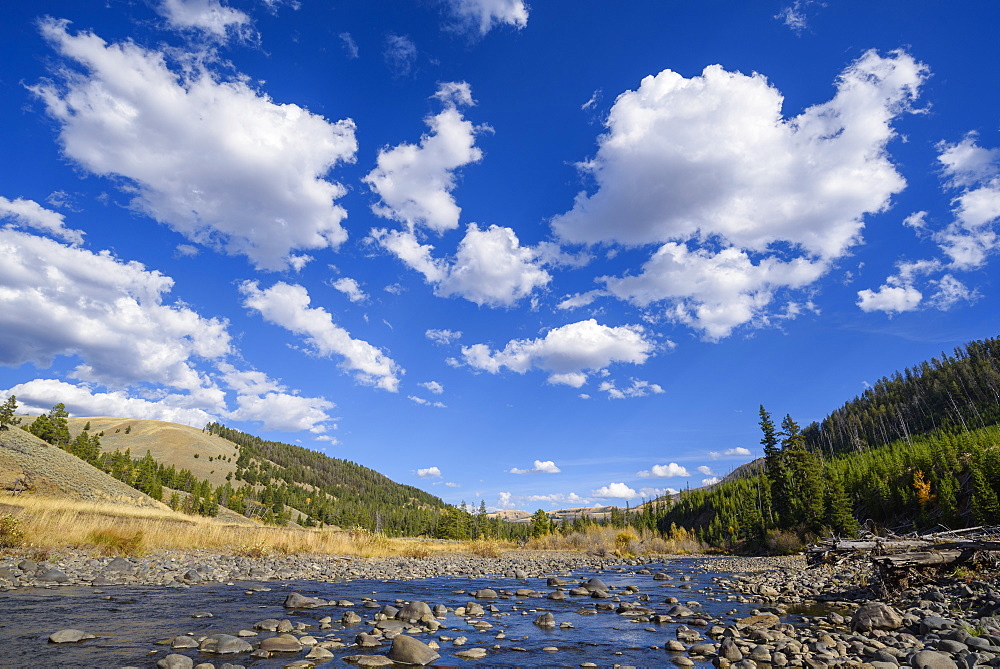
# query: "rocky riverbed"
{"points": [[524, 609]]}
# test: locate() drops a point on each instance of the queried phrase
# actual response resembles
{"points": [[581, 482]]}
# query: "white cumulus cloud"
{"points": [[415, 183], [216, 160], [490, 266], [39, 395], [351, 288], [739, 450], [742, 202], [616, 491], [663, 471], [568, 353], [287, 305], [29, 213], [61, 300], [540, 467], [429, 473]]}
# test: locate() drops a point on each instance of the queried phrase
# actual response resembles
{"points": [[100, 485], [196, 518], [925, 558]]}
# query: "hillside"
{"points": [[28, 464], [185, 447], [916, 450]]}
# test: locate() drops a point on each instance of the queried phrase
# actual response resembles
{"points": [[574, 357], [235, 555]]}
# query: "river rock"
{"points": [[224, 644], [876, 616], [486, 593], [932, 659], [471, 654], [350, 618], [69, 636], [370, 660], [407, 650], [545, 620], [183, 642], [283, 643], [319, 654], [52, 575], [296, 601], [175, 661], [414, 611]]}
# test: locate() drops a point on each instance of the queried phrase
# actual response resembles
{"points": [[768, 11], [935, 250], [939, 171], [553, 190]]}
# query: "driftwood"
{"points": [[902, 562]]}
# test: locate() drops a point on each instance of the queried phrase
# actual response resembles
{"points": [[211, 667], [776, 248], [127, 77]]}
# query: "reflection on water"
{"points": [[132, 622]]}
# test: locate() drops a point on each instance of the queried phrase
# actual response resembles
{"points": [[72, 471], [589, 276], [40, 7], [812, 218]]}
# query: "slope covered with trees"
{"points": [[917, 449]]}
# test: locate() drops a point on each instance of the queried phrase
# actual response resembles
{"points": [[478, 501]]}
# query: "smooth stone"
{"points": [[545, 620], [284, 643], [224, 644], [486, 593], [472, 654], [414, 611], [183, 642], [319, 653], [876, 616], [350, 618], [296, 601], [175, 661], [371, 660], [69, 636], [52, 576], [932, 659], [407, 650], [267, 625]]}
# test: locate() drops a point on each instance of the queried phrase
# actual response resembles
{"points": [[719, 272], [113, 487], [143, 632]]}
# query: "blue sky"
{"points": [[542, 255]]}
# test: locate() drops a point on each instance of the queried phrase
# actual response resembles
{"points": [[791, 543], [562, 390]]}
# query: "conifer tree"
{"points": [[774, 465], [7, 411]]}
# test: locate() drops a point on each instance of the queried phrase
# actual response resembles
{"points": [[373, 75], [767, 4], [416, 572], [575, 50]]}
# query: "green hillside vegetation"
{"points": [[914, 451], [273, 482]]}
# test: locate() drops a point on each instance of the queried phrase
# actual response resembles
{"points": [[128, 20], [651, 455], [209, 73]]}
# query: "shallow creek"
{"points": [[134, 625]]}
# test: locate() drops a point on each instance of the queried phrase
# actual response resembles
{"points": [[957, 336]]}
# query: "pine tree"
{"points": [[7, 411], [774, 467]]}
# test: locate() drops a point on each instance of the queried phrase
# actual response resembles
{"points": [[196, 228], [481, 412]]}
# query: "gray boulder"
{"points": [[175, 661], [224, 644], [69, 636], [407, 650], [932, 659], [876, 616], [296, 601]]}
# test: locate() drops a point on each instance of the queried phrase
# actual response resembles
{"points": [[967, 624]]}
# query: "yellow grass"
{"points": [[606, 541], [52, 523]]}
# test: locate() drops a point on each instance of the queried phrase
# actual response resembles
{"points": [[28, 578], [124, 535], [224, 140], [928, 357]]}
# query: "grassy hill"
{"points": [[206, 456], [29, 465]]}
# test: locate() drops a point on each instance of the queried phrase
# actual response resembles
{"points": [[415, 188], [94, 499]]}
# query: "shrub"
{"points": [[486, 548], [255, 550], [783, 542], [118, 542], [11, 532]]}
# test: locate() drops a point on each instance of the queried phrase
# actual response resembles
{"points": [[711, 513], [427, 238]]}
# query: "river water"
{"points": [[132, 623]]}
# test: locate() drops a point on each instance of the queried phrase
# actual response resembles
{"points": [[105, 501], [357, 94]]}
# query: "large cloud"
{"points": [[415, 182], [490, 266], [568, 353], [709, 168], [39, 395], [287, 305], [60, 300], [217, 161]]}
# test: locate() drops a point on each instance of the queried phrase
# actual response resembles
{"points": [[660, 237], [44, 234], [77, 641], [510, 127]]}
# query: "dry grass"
{"points": [[50, 523], [608, 541]]}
